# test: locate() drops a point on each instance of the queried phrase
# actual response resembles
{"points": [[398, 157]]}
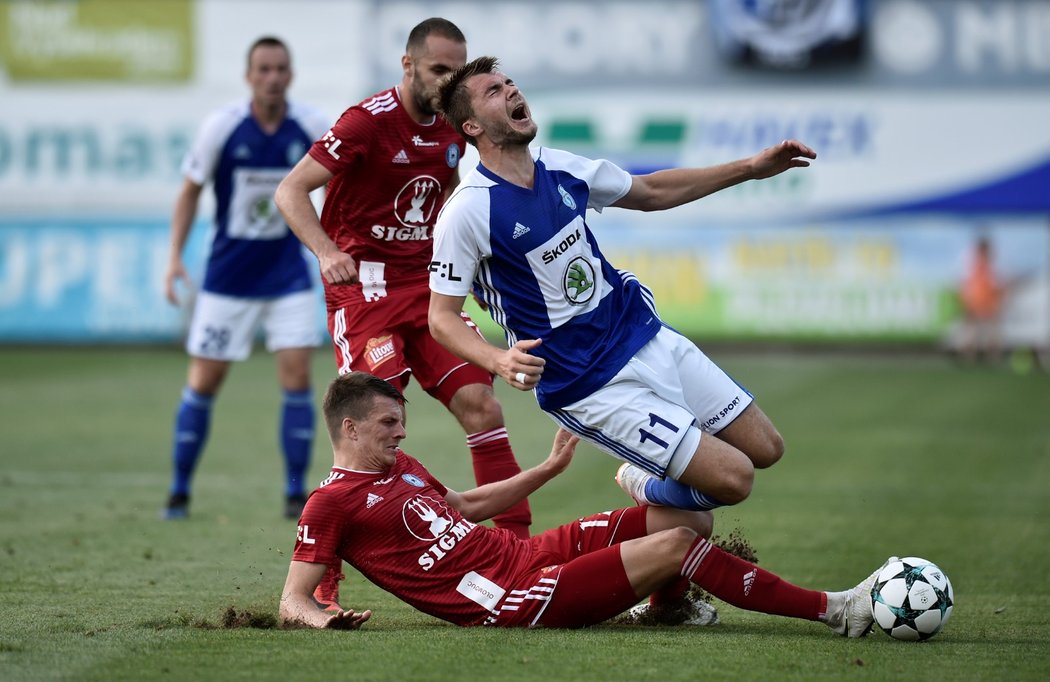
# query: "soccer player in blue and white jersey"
{"points": [[256, 271], [583, 334]]}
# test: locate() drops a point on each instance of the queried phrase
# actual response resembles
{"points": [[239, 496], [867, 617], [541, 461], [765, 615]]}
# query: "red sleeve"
{"points": [[426, 475], [320, 531], [347, 142], [438, 485]]}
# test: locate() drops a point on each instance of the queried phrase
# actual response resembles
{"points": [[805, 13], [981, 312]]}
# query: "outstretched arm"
{"points": [[293, 200], [517, 367], [298, 608], [484, 502], [676, 186]]}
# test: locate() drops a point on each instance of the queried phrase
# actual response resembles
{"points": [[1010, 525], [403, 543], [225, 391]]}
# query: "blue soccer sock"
{"points": [[297, 438], [191, 432], [672, 493]]}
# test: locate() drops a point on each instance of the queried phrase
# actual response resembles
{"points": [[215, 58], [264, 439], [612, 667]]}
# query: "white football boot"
{"points": [[849, 612], [632, 481], [692, 612]]}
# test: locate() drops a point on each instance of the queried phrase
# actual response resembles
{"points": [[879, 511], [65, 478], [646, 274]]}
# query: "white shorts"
{"points": [[652, 412], [224, 327]]}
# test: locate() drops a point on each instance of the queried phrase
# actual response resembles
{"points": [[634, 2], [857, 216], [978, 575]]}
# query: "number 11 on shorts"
{"points": [[655, 419]]}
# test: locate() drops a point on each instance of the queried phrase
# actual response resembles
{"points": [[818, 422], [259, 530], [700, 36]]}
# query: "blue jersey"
{"points": [[253, 253], [530, 256]]}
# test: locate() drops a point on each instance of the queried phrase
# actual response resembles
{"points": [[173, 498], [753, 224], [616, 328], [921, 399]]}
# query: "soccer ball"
{"points": [[912, 599]]}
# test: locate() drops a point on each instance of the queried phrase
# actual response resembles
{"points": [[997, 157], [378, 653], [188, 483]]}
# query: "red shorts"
{"points": [[576, 577], [390, 337]]}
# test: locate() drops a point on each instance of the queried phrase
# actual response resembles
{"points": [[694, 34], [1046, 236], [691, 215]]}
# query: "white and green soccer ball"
{"points": [[912, 599]]}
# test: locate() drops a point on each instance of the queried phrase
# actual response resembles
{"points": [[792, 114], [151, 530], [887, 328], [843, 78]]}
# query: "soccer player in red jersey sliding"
{"points": [[384, 513], [388, 163]]}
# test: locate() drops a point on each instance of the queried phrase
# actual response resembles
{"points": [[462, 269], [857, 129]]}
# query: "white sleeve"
{"points": [[461, 241], [607, 181], [203, 157], [314, 121]]}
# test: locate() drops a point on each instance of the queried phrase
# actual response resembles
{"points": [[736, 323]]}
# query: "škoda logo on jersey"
{"points": [[578, 281]]}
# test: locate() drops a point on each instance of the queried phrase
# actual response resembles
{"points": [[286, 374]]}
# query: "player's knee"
{"points": [[674, 541], [737, 486], [477, 409], [770, 452]]}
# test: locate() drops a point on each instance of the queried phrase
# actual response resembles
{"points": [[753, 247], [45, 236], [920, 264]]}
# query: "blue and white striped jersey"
{"points": [[530, 256], [253, 253]]}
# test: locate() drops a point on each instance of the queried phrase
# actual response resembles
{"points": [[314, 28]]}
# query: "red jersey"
{"points": [[396, 528], [390, 178]]}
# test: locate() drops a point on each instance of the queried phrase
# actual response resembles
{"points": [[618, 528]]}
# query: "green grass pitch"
{"points": [[902, 455]]}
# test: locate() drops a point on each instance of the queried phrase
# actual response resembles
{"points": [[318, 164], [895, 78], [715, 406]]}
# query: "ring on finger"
{"points": [[520, 377]]}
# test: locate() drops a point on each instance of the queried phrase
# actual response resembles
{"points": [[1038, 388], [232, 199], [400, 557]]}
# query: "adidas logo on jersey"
{"points": [[519, 230], [373, 500], [242, 152], [749, 580], [400, 157], [334, 476], [378, 105]]}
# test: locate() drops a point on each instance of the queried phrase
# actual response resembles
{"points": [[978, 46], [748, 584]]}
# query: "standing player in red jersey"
{"points": [[384, 513], [389, 162]]}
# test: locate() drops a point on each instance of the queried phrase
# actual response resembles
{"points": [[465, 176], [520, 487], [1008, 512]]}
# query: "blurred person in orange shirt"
{"points": [[982, 296]]}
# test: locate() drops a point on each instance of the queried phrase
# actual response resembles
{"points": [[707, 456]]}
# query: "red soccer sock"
{"points": [[747, 586], [670, 593], [494, 461]]}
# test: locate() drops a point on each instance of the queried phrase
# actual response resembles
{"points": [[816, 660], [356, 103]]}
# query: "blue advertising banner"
{"points": [[94, 280], [83, 281]]}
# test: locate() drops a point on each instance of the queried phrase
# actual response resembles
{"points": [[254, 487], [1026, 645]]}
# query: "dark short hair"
{"points": [[437, 26], [453, 98], [352, 395], [267, 41]]}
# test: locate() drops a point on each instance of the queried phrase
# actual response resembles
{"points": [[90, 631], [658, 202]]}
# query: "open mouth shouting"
{"points": [[520, 112]]}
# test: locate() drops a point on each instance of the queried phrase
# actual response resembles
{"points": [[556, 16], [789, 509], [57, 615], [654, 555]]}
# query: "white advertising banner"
{"points": [[876, 153]]}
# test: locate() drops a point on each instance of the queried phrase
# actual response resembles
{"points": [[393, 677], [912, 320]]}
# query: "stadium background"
{"points": [[929, 118], [913, 454]]}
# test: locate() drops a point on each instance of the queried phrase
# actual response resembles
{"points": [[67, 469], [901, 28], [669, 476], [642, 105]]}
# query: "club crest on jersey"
{"points": [[412, 479], [566, 198], [578, 281], [452, 155]]}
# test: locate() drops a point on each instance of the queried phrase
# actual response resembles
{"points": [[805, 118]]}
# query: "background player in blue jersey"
{"points": [[256, 271], [583, 334]]}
